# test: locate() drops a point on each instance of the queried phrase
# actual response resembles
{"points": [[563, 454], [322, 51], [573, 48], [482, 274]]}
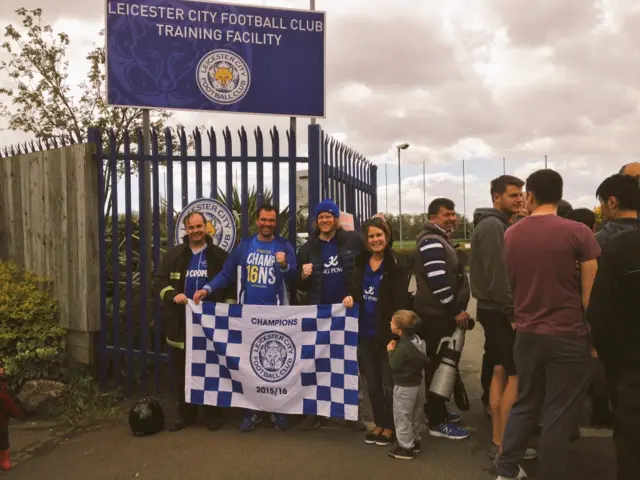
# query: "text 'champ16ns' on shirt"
{"points": [[260, 287]]}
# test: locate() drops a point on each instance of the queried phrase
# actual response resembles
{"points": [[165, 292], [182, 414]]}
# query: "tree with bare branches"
{"points": [[40, 99]]}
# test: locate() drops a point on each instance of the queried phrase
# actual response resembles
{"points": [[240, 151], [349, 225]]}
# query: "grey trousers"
{"points": [[408, 409], [554, 373]]}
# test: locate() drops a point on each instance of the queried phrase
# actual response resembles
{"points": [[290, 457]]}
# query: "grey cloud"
{"points": [[383, 53], [86, 9], [451, 111], [546, 21], [606, 56]]}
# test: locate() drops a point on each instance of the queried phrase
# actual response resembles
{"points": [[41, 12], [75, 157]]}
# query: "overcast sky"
{"points": [[473, 79]]}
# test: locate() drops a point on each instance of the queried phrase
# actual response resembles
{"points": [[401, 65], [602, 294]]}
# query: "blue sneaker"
{"points": [[450, 431], [250, 420], [279, 420], [453, 417]]}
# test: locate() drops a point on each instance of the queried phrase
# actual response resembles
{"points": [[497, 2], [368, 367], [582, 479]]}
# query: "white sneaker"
{"points": [[521, 474]]}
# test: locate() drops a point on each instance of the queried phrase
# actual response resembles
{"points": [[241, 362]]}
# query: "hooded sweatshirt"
{"points": [[409, 359], [614, 227], [489, 281]]}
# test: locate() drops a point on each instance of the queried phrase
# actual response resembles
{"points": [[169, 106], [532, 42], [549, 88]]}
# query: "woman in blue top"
{"points": [[382, 287]]}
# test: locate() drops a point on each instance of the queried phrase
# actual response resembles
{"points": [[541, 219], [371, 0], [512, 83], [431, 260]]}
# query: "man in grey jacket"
{"points": [[490, 286]]}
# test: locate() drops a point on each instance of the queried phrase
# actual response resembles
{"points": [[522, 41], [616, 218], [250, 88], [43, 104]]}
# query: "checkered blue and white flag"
{"points": [[282, 359]]}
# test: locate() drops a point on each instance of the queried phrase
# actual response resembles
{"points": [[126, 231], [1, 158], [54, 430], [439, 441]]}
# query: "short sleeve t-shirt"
{"points": [[369, 318], [541, 252], [196, 276], [334, 285], [260, 286]]}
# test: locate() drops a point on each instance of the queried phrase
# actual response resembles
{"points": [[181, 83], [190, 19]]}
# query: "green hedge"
{"points": [[32, 343]]}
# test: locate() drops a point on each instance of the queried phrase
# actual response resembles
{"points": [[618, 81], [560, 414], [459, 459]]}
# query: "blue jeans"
{"points": [[374, 365]]}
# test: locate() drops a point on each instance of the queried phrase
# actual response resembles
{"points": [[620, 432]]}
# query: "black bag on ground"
{"points": [[146, 417]]}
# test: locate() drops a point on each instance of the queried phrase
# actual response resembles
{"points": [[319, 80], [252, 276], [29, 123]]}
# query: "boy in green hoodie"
{"points": [[408, 361]]}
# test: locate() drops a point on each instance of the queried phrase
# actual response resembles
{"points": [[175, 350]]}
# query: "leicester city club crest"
{"points": [[223, 77], [221, 226], [273, 355]]}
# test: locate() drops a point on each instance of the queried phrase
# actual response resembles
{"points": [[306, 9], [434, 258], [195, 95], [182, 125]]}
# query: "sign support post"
{"points": [[146, 166]]}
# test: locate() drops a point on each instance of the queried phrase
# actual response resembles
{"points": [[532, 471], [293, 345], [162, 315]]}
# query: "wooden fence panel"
{"points": [[48, 224]]}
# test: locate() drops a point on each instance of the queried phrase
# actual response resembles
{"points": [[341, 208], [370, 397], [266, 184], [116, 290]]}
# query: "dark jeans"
{"points": [[188, 412], [627, 426], [4, 438], [374, 365], [433, 330], [626, 437], [603, 389], [554, 373]]}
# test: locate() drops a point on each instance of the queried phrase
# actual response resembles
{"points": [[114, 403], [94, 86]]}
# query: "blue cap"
{"points": [[328, 205]]}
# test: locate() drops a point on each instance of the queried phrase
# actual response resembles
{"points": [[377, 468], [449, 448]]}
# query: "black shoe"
{"points": [[575, 435], [180, 425], [370, 438], [416, 447], [602, 417], [401, 453], [214, 423], [310, 422], [383, 440]]}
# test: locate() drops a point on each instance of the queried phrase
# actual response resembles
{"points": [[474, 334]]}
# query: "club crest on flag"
{"points": [[272, 356]]}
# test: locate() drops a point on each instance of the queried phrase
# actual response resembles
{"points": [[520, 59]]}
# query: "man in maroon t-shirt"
{"points": [[552, 348]]}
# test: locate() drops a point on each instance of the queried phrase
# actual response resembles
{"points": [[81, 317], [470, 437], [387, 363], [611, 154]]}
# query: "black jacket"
{"points": [[169, 282], [350, 245], [393, 291], [614, 305], [614, 227]]}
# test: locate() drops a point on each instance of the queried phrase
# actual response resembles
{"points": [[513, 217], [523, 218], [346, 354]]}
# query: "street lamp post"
{"points": [[464, 201], [424, 185], [386, 190], [403, 146]]}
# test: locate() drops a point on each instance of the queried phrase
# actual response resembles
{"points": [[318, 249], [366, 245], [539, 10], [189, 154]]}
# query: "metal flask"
{"points": [[444, 378]]}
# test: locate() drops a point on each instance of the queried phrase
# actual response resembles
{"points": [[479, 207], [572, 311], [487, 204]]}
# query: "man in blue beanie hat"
{"points": [[326, 264]]}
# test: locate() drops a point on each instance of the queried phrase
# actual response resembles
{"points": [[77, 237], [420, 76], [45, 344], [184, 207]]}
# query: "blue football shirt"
{"points": [[334, 285], [196, 276], [260, 286], [369, 318]]}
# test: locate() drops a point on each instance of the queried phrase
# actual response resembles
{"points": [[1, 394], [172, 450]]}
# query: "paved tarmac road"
{"points": [[111, 453]]}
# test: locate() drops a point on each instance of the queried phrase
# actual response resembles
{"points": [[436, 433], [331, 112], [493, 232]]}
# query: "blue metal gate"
{"points": [[350, 179], [131, 348]]}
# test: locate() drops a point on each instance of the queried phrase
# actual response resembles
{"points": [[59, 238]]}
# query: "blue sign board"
{"points": [[178, 54]]}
